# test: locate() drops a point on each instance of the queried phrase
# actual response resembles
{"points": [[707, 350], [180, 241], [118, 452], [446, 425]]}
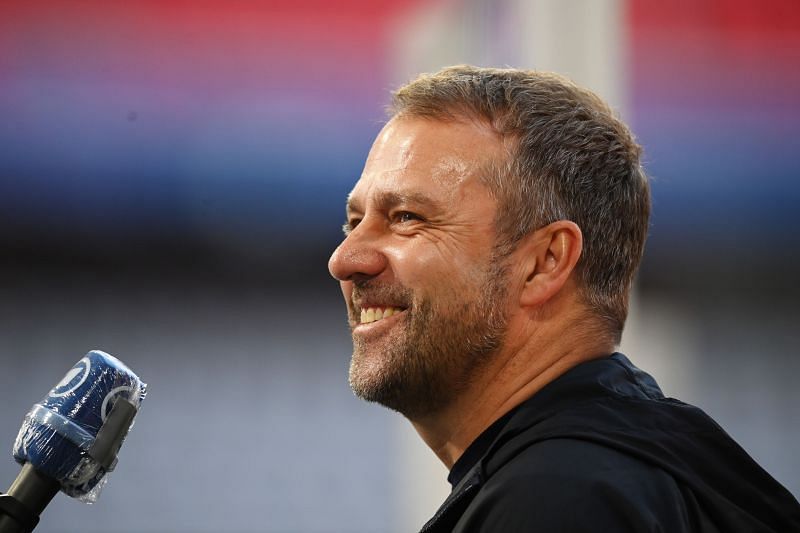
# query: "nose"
{"points": [[357, 257]]}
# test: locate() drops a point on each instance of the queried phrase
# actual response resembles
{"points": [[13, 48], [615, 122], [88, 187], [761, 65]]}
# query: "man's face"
{"points": [[425, 295]]}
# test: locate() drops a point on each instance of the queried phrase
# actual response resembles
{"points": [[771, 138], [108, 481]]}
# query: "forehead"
{"points": [[413, 155]]}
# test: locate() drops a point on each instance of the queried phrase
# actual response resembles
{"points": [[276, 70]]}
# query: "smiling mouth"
{"points": [[373, 314]]}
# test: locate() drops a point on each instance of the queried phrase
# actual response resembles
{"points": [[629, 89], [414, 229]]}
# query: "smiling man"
{"points": [[490, 246]]}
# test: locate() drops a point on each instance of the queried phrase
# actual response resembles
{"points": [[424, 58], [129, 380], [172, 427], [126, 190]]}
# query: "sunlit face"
{"points": [[424, 292]]}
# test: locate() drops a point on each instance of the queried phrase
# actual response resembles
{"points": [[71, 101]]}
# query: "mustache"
{"points": [[371, 291]]}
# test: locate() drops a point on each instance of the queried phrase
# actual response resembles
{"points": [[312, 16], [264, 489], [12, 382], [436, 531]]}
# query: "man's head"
{"points": [[472, 163]]}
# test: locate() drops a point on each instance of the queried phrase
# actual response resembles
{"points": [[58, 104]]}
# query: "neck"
{"points": [[519, 370]]}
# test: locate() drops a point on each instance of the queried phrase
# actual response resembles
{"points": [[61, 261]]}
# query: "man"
{"points": [[490, 247]]}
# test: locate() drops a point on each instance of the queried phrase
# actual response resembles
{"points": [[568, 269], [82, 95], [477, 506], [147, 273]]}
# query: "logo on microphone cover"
{"points": [[75, 378], [108, 402]]}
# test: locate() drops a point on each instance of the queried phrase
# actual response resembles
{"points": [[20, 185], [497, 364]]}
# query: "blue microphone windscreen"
{"points": [[58, 431]]}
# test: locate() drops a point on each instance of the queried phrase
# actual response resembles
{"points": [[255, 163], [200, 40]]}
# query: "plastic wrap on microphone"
{"points": [[58, 433]]}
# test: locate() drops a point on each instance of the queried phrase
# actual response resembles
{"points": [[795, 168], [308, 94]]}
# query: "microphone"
{"points": [[69, 440]]}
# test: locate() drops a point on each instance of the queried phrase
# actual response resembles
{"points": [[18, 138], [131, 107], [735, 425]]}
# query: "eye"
{"points": [[406, 216], [349, 226]]}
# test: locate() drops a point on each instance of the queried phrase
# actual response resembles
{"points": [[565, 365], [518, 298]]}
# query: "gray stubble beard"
{"points": [[433, 356]]}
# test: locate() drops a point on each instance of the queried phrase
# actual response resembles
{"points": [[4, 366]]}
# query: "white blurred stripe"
{"points": [[582, 39]]}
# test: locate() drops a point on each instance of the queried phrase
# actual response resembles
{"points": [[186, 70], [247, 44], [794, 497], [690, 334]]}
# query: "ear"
{"points": [[549, 257]]}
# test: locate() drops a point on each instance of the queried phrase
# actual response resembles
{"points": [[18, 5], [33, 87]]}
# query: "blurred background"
{"points": [[172, 181]]}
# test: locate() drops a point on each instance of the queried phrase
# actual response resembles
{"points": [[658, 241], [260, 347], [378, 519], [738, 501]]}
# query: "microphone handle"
{"points": [[26, 499]]}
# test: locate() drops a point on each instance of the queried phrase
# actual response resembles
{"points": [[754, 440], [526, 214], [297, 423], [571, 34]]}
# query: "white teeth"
{"points": [[373, 314]]}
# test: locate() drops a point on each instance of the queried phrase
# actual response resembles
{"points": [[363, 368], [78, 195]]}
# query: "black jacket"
{"points": [[601, 449]]}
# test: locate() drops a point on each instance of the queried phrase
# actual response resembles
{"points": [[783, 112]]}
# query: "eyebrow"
{"points": [[386, 200]]}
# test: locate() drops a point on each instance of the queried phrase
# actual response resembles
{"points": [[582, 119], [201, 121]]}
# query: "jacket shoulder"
{"points": [[565, 484]]}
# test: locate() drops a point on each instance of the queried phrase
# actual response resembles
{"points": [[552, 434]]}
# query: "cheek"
{"points": [[430, 264]]}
